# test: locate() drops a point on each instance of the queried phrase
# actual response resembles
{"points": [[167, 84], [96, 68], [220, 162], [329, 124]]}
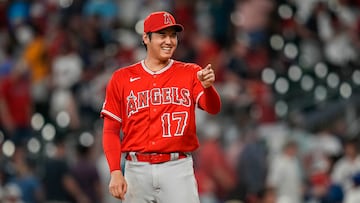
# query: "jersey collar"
{"points": [[157, 72]]}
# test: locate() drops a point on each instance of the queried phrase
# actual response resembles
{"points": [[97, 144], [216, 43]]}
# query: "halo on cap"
{"points": [[160, 20]]}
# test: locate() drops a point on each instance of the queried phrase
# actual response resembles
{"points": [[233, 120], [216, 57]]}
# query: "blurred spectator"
{"points": [[86, 175], [268, 195], [221, 26], [252, 166], [263, 104], [347, 166], [16, 105], [353, 194], [216, 177], [286, 176], [18, 12], [12, 194], [66, 70], [324, 145], [339, 49], [7, 61], [237, 63], [206, 50], [58, 183], [318, 188], [298, 133], [39, 14], [107, 9], [37, 61], [25, 177], [335, 194]]}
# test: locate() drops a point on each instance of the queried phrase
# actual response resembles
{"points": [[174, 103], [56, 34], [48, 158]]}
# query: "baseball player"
{"points": [[153, 102]]}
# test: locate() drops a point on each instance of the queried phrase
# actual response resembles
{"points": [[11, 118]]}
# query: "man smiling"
{"points": [[153, 102]]}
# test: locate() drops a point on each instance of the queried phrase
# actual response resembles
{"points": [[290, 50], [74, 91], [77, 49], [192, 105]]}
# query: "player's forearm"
{"points": [[211, 101], [111, 143]]}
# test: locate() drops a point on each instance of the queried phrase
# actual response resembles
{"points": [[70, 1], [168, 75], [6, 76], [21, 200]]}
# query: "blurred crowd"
{"points": [[287, 71]]}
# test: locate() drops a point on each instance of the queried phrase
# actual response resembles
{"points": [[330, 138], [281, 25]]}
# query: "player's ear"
{"points": [[145, 38]]}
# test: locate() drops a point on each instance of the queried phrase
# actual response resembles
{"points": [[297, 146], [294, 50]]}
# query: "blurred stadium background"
{"points": [[287, 71]]}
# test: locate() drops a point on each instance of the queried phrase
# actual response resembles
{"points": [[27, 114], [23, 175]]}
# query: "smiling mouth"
{"points": [[166, 48]]}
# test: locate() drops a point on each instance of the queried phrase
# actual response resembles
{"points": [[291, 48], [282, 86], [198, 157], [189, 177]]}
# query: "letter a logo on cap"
{"points": [[167, 19], [160, 20]]}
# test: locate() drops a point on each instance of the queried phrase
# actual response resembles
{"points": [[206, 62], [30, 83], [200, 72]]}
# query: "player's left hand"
{"points": [[117, 185], [206, 76]]}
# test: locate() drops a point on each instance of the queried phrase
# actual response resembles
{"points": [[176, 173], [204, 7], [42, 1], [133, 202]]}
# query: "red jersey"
{"points": [[16, 94], [156, 109]]}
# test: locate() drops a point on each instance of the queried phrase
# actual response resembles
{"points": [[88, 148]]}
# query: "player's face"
{"points": [[162, 44]]}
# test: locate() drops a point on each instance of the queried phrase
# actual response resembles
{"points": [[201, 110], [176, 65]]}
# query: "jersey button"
{"points": [[154, 110], [154, 84], [153, 142]]}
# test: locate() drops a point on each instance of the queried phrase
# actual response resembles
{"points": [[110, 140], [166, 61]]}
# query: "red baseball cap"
{"points": [[160, 20]]}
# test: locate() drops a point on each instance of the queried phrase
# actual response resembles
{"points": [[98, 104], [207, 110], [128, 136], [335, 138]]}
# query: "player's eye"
{"points": [[161, 35], [173, 35]]}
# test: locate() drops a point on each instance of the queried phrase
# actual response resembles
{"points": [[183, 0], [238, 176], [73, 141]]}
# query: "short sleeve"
{"points": [[112, 104]]}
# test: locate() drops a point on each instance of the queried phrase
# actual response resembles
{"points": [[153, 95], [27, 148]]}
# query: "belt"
{"points": [[155, 158]]}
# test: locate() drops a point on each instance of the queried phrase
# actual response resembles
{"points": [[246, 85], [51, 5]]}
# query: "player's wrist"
{"points": [[116, 173], [206, 85]]}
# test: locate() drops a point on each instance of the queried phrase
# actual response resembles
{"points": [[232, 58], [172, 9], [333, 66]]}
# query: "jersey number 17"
{"points": [[179, 119]]}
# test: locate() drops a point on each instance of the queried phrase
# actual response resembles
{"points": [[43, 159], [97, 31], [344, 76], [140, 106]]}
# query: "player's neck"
{"points": [[156, 65]]}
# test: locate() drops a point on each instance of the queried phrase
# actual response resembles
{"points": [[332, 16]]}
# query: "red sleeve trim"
{"points": [[106, 112]]}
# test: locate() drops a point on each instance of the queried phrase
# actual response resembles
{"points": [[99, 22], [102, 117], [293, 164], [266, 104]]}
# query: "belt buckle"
{"points": [[156, 158]]}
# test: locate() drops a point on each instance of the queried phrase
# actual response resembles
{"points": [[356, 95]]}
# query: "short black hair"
{"points": [[149, 34]]}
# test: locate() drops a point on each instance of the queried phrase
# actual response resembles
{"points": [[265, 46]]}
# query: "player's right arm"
{"points": [[111, 112], [112, 150]]}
